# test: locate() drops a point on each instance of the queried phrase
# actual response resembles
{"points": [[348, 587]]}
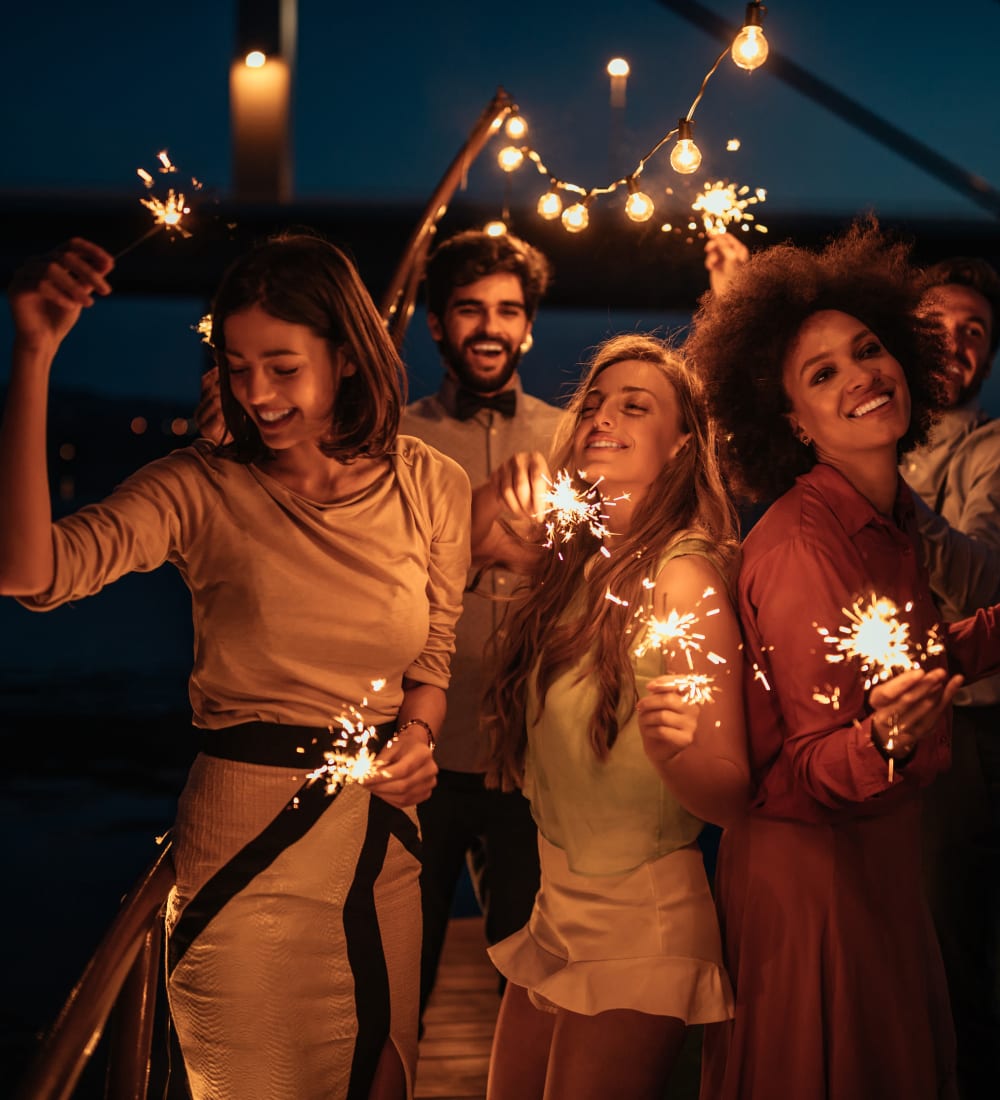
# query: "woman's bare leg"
{"points": [[615, 1053], [520, 1054], [389, 1082]]}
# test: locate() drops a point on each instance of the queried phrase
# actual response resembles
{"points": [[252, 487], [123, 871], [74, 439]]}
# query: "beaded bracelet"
{"points": [[417, 722]]}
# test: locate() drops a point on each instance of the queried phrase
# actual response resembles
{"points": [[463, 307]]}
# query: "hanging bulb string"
{"points": [[560, 184]]}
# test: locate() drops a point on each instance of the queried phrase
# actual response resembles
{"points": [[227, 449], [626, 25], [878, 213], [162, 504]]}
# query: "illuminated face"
{"points": [[967, 319], [480, 336], [629, 428], [283, 375], [848, 394]]}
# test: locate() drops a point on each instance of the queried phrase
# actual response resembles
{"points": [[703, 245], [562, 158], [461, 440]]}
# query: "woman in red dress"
{"points": [[822, 374]]}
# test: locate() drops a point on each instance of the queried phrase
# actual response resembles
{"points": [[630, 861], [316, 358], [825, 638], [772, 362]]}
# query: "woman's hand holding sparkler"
{"points": [[405, 772], [517, 487], [908, 706], [725, 254], [668, 719], [49, 292]]}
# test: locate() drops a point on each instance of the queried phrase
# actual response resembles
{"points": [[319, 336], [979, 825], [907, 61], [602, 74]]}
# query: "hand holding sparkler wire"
{"points": [[691, 716], [907, 707], [405, 772], [517, 487], [725, 254], [48, 294], [877, 637]]}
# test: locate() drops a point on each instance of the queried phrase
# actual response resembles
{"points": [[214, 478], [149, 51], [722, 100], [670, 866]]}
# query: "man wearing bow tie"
{"points": [[482, 296]]}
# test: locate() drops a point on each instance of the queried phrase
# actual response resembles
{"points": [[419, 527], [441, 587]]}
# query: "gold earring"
{"points": [[526, 343], [804, 439]]}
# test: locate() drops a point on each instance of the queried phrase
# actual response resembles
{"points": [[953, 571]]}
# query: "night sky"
{"points": [[386, 93]]}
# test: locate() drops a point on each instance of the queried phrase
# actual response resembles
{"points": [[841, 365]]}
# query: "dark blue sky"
{"points": [[386, 92]]}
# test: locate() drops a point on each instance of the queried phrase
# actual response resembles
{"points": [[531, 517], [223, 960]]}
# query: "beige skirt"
{"points": [[646, 940], [293, 935]]}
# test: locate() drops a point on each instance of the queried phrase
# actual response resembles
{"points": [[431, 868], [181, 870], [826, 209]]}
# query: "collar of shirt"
{"points": [[450, 398], [853, 509]]}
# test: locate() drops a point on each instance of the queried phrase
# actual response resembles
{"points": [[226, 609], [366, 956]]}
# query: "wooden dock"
{"points": [[459, 1021]]}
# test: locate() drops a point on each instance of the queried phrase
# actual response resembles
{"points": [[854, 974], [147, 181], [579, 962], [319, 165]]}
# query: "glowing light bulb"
{"points": [[750, 46], [516, 127], [510, 158], [618, 66], [575, 218], [495, 229], [550, 206], [685, 157], [638, 205], [254, 59]]}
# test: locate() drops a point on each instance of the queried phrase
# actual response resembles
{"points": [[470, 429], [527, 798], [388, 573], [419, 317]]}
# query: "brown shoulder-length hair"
{"points": [[306, 280], [565, 615], [740, 339]]}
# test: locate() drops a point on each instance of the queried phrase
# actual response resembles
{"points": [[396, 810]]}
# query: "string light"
{"points": [[685, 157], [750, 46], [510, 158], [638, 205], [576, 218], [495, 229], [516, 127], [550, 205], [255, 60]]}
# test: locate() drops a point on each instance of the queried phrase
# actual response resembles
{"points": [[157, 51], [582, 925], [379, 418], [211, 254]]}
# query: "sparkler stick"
{"points": [[879, 640], [168, 212]]}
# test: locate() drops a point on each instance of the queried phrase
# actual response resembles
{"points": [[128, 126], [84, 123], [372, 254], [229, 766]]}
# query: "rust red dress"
{"points": [[840, 992]]}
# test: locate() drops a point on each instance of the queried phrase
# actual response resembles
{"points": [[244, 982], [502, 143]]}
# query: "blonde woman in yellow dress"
{"points": [[622, 950], [322, 553]]}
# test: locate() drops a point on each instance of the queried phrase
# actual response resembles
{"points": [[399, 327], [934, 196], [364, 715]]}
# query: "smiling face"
{"points": [[848, 394], [629, 428], [482, 330], [283, 375], [967, 319]]}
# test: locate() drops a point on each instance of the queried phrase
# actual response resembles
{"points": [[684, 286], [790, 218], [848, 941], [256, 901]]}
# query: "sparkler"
{"points": [[169, 210], [567, 510], [721, 204], [352, 759], [879, 640], [675, 634]]}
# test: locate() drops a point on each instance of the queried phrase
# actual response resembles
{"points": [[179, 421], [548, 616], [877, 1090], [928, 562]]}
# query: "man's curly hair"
{"points": [[741, 337]]}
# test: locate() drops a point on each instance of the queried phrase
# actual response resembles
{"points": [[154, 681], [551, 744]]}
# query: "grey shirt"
{"points": [[479, 445], [957, 477]]}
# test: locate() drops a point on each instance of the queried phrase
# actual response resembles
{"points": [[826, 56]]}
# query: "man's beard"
{"points": [[467, 377]]}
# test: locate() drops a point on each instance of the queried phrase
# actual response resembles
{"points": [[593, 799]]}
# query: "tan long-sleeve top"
{"points": [[297, 606]]}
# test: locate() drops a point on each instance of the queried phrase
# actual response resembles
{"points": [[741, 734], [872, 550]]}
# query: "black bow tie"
{"points": [[468, 403]]}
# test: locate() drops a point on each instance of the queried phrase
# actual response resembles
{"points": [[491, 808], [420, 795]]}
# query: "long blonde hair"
{"points": [[539, 636]]}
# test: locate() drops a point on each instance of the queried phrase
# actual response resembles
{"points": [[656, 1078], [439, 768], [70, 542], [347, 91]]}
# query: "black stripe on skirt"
{"points": [[364, 941]]}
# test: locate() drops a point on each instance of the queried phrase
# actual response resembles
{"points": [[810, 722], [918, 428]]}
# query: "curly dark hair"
{"points": [[303, 279], [741, 337], [978, 275], [472, 255]]}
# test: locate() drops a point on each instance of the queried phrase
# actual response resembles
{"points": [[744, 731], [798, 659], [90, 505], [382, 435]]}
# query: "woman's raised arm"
{"points": [[46, 298]]}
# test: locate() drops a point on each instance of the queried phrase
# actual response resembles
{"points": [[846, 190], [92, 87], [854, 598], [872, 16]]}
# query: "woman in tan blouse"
{"points": [[326, 558]]}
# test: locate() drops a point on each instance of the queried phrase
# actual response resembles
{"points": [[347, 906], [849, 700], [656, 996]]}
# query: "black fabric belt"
{"points": [[278, 745]]}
